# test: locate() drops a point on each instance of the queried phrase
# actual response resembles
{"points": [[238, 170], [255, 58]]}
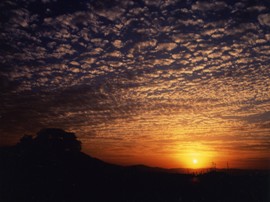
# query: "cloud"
{"points": [[155, 70], [115, 54], [257, 8], [166, 46], [152, 3], [191, 22], [75, 63], [98, 42], [261, 117], [162, 62], [118, 43], [264, 19], [208, 6], [90, 60], [112, 13], [62, 50]]}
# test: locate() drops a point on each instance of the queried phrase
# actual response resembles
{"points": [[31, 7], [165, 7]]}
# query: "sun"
{"points": [[196, 156], [195, 161]]}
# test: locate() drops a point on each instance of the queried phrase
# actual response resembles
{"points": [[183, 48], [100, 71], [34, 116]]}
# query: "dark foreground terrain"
{"points": [[43, 172]]}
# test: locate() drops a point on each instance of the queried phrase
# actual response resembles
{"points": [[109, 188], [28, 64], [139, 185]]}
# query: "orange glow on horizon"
{"points": [[180, 153], [196, 156]]}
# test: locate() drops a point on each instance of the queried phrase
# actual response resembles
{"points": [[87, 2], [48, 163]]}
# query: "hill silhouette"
{"points": [[51, 167]]}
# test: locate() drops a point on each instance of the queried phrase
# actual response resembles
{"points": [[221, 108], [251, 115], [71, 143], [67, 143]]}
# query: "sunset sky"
{"points": [[168, 83]]}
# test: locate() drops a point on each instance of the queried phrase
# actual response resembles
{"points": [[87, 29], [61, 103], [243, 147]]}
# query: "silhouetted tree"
{"points": [[51, 140], [26, 140], [57, 140]]}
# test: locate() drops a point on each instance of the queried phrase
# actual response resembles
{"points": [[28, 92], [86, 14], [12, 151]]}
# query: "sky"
{"points": [[168, 83]]}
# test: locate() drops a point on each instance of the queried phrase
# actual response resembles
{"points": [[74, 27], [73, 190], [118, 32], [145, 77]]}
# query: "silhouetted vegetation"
{"points": [[51, 140], [51, 167]]}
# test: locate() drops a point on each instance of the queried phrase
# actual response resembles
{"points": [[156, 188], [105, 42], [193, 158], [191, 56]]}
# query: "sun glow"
{"points": [[196, 156], [195, 161]]}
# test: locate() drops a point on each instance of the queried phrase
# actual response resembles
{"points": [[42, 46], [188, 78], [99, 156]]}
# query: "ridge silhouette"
{"points": [[51, 167]]}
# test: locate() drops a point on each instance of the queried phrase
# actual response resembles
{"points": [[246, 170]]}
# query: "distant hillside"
{"points": [[50, 167], [74, 176]]}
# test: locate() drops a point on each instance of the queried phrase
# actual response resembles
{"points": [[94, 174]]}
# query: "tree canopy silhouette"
{"points": [[52, 140]]}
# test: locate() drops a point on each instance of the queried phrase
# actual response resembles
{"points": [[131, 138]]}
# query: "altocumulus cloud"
{"points": [[123, 69]]}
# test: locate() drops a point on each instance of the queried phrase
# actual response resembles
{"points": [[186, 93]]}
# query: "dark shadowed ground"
{"points": [[50, 167]]}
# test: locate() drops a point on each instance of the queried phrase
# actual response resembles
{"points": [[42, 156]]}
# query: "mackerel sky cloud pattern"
{"points": [[128, 76]]}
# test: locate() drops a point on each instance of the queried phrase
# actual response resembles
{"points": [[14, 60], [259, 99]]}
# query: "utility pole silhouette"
{"points": [[213, 166]]}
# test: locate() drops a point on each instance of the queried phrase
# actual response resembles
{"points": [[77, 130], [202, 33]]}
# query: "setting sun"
{"points": [[195, 161], [196, 155]]}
